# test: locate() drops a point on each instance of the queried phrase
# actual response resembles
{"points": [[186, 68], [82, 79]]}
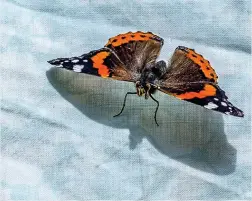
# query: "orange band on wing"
{"points": [[98, 60], [125, 38], [203, 63], [208, 90]]}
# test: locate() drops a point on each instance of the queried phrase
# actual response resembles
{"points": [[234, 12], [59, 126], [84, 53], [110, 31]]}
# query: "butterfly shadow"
{"points": [[187, 133]]}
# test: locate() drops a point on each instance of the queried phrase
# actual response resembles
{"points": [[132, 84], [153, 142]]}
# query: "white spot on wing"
{"points": [[224, 104], [85, 60], [216, 99], [77, 68], [75, 61], [211, 105]]}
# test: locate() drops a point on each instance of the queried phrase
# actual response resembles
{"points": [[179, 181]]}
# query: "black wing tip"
{"points": [[236, 112], [54, 62], [184, 48], [180, 47], [59, 62], [157, 38]]}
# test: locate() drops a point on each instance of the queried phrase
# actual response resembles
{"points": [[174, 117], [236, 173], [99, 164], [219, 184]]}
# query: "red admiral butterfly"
{"points": [[132, 57]]}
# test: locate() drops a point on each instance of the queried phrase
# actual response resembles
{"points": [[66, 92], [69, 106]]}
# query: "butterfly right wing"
{"points": [[190, 77], [103, 63]]}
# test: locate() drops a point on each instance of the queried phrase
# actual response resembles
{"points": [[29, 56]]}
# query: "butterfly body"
{"points": [[132, 57], [147, 82]]}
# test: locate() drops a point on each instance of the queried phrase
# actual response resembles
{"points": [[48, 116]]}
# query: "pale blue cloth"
{"points": [[59, 140]]}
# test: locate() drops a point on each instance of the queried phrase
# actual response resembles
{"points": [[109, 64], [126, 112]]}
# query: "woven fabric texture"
{"points": [[59, 140]]}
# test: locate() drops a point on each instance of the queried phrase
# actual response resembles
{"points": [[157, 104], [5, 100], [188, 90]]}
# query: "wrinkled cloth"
{"points": [[59, 140]]}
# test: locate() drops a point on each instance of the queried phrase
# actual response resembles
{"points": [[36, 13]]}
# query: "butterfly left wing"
{"points": [[123, 58], [103, 63], [190, 77]]}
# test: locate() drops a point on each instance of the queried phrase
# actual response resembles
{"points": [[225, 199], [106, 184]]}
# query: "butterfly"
{"points": [[132, 57]]}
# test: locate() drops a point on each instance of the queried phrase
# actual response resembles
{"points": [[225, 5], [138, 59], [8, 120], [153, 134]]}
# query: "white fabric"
{"points": [[59, 140]]}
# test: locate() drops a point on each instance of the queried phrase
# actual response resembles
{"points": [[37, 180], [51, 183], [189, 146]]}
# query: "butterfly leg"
{"points": [[155, 117], [124, 103]]}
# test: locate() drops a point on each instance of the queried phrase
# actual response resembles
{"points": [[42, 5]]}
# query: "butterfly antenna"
{"points": [[124, 103], [155, 116]]}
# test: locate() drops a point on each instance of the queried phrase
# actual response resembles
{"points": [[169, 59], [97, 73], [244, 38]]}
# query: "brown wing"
{"points": [[136, 50], [103, 63], [190, 77], [187, 71], [188, 66], [122, 58]]}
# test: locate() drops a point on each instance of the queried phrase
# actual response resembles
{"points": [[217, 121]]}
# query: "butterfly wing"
{"points": [[122, 58], [136, 50], [103, 63], [190, 77]]}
